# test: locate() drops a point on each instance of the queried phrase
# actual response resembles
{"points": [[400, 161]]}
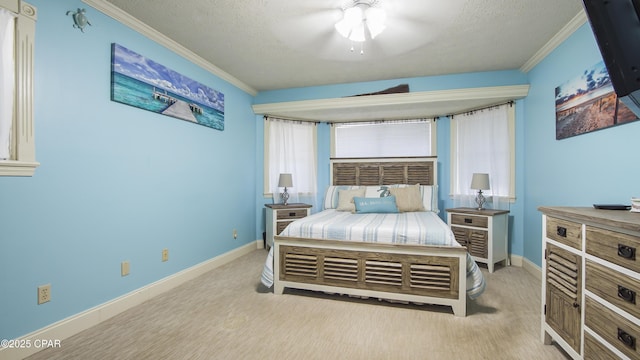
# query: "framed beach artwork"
{"points": [[588, 103], [146, 84]]}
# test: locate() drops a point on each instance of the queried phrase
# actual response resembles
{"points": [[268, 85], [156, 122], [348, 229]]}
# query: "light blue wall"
{"points": [[118, 183], [431, 83], [597, 167], [115, 183], [591, 168], [457, 81]]}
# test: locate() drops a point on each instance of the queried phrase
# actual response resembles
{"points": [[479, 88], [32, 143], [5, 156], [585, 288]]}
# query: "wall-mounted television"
{"points": [[616, 26]]}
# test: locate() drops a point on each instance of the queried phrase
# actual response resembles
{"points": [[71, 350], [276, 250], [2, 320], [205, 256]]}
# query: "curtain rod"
{"points": [[510, 103], [277, 118], [381, 121]]}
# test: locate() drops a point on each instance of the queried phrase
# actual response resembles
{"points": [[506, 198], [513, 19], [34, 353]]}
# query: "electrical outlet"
{"points": [[165, 254], [124, 268], [44, 293], [235, 233]]}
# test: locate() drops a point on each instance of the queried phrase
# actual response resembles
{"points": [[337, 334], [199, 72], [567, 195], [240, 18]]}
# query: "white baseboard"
{"points": [[74, 324], [515, 260], [532, 269]]}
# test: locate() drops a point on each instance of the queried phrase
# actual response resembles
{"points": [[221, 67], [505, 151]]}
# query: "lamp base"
{"points": [[285, 197], [480, 200]]}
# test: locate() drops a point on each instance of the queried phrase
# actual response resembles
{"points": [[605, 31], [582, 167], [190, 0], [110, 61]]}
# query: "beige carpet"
{"points": [[227, 314]]}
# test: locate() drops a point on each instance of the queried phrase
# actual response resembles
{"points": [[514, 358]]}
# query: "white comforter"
{"points": [[419, 228]]}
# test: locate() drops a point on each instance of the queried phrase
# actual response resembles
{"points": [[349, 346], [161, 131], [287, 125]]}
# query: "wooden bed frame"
{"points": [[419, 274]]}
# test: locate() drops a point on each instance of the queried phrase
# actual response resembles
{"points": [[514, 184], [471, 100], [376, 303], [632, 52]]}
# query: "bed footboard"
{"points": [[421, 274]]}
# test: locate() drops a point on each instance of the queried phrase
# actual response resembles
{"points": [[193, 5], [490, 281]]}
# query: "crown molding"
{"points": [[555, 41], [137, 25]]}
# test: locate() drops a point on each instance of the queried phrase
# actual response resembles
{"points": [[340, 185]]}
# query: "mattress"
{"points": [[414, 228]]}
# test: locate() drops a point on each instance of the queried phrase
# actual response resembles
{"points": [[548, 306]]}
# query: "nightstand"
{"points": [[484, 233], [278, 216]]}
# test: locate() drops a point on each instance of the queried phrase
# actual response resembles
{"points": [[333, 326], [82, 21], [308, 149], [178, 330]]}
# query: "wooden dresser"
{"points": [[591, 282]]}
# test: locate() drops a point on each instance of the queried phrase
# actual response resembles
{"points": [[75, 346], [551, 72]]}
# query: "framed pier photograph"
{"points": [[143, 83]]}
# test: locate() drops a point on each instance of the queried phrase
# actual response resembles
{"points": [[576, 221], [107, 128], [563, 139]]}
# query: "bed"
{"points": [[359, 245]]}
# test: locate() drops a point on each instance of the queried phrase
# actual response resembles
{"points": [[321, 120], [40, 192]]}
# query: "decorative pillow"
{"points": [[430, 197], [374, 191], [429, 194], [345, 199], [408, 198], [331, 195], [385, 204]]}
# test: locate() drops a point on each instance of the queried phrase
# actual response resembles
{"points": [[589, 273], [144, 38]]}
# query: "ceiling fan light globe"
{"points": [[358, 33], [352, 25], [375, 30], [343, 28], [376, 15], [352, 19], [376, 19], [353, 16]]}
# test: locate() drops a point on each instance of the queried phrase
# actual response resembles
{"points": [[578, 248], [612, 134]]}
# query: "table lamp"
{"points": [[480, 182], [285, 182]]}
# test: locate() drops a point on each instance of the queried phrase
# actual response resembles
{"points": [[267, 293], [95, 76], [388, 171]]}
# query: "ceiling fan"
{"points": [[310, 26]]}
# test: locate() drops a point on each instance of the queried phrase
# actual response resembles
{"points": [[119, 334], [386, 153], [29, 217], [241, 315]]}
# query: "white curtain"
{"points": [[481, 144], [7, 76], [292, 149]]}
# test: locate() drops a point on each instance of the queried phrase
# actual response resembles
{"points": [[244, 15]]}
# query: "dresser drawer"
{"points": [[616, 330], [566, 232], [613, 246], [594, 350], [291, 214], [616, 288], [469, 220]]}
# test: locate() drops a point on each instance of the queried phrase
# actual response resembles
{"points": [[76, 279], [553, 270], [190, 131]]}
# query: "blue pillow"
{"points": [[366, 205]]}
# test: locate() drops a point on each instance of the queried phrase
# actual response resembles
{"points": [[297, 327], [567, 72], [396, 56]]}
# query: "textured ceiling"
{"points": [[276, 44]]}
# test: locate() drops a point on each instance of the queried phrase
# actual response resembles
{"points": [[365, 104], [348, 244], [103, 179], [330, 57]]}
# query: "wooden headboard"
{"points": [[384, 171]]}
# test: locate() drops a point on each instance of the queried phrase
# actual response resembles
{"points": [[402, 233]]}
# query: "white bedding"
{"points": [[418, 228]]}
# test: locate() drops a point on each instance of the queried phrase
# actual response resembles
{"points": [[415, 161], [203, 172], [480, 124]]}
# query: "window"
{"points": [[384, 139], [483, 141], [290, 147], [17, 32]]}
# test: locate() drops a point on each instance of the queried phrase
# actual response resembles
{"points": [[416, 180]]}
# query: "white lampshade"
{"points": [[352, 17], [480, 181], [285, 180]]}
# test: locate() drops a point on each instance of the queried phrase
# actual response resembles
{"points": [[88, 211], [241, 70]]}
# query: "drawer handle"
{"points": [[468, 221], [292, 214], [626, 252], [626, 294], [561, 231], [626, 339]]}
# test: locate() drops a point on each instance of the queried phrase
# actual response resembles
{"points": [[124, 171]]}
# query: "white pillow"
{"points": [[430, 197], [373, 191]]}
